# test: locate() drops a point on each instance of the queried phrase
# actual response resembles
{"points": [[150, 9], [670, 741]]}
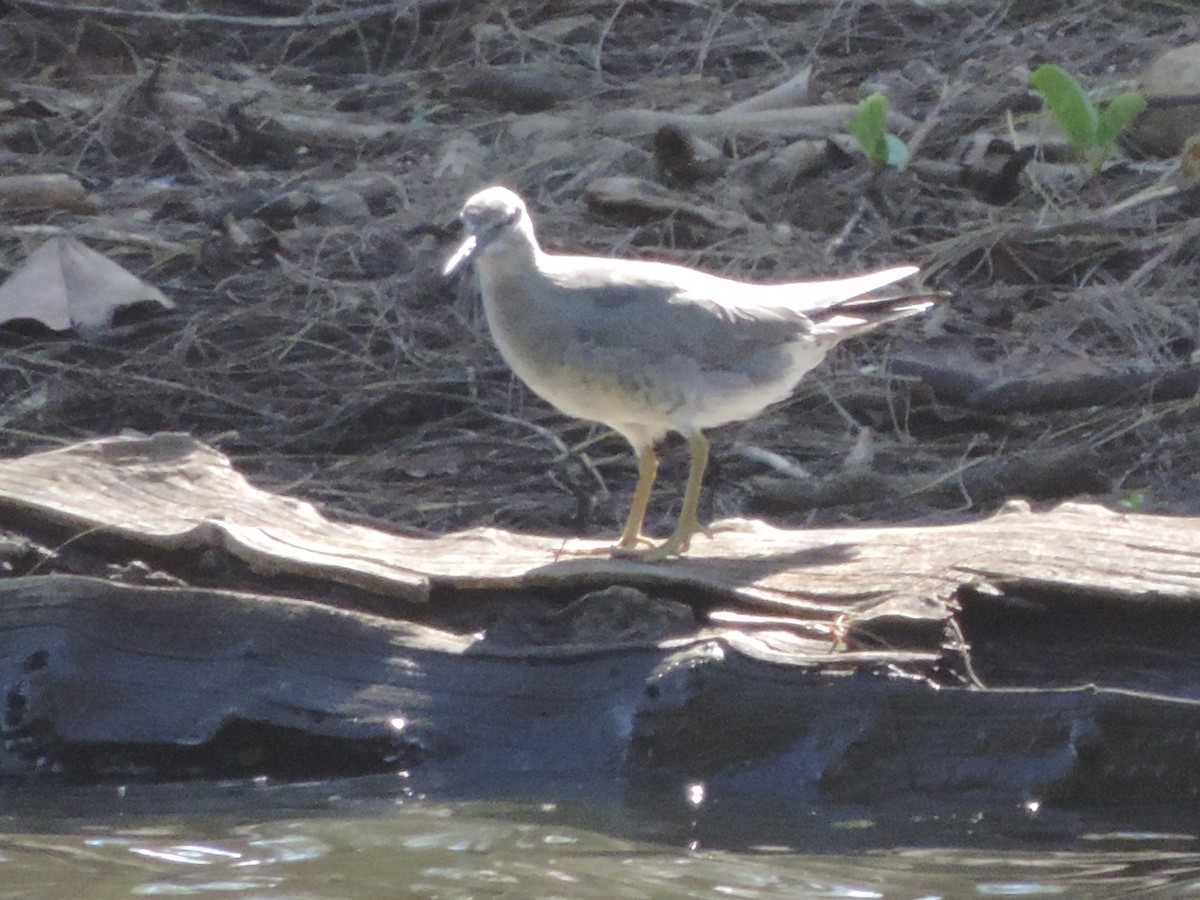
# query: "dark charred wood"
{"points": [[1029, 656]]}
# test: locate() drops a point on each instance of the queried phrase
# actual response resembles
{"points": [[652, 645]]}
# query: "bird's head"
{"points": [[495, 220]]}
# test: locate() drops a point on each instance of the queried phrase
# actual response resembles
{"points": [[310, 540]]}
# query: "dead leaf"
{"points": [[65, 284]]}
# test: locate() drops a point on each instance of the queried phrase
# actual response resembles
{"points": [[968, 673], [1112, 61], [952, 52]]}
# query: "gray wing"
{"points": [[658, 318]]}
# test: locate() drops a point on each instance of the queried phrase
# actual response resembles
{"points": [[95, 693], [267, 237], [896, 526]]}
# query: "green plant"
{"points": [[1134, 500], [869, 128], [1092, 131]]}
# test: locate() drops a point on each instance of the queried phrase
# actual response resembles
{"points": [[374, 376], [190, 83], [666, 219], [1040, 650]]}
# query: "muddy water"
{"points": [[368, 838]]}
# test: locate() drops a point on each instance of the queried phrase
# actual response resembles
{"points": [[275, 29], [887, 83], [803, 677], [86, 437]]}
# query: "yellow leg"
{"points": [[631, 534], [688, 523]]}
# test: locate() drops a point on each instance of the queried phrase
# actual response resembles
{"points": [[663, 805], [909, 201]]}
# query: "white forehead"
{"points": [[493, 201]]}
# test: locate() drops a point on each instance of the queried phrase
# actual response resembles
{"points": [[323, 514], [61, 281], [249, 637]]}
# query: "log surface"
{"points": [[1031, 654], [171, 491]]}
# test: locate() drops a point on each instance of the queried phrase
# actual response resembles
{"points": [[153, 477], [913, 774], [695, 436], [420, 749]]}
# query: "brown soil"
{"points": [[291, 182]]}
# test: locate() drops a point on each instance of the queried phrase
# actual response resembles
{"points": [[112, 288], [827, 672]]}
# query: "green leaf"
{"points": [[897, 151], [1114, 118], [1133, 500], [1074, 111], [869, 127]]}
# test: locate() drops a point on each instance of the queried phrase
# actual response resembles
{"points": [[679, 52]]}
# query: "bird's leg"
{"points": [[688, 523], [631, 534]]}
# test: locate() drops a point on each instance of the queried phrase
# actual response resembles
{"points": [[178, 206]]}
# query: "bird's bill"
{"points": [[461, 255]]}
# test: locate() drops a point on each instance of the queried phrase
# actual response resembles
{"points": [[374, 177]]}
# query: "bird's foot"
{"points": [[676, 545], [633, 547], [638, 548], [632, 544]]}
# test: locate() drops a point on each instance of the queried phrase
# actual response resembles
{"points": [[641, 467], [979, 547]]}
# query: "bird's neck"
{"points": [[511, 267]]}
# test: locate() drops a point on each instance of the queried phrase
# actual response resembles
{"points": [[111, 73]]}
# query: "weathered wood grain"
{"points": [[1028, 656], [171, 491]]}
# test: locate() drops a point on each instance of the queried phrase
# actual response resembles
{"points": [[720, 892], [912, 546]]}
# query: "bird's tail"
{"points": [[862, 314]]}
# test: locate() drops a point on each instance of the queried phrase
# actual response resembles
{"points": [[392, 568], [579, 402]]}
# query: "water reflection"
{"points": [[353, 839]]}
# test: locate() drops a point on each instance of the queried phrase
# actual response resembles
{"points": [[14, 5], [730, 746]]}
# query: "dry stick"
{"points": [[1028, 228], [923, 130], [835, 244], [98, 233], [772, 460], [604, 32], [315, 20], [710, 30], [45, 192], [815, 121], [815, 44], [553, 439], [793, 92], [1181, 236]]}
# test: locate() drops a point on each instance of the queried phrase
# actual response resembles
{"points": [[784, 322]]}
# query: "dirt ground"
{"points": [[289, 174]]}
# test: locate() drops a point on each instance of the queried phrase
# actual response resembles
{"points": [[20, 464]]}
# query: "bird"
{"points": [[648, 347]]}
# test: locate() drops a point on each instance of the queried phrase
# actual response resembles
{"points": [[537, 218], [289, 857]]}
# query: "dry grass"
{"points": [[294, 188]]}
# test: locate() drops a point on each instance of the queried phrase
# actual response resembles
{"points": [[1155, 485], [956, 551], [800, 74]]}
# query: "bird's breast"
{"points": [[532, 335]]}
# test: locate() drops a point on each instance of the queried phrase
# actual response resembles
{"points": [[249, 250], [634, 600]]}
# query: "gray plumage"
{"points": [[648, 347]]}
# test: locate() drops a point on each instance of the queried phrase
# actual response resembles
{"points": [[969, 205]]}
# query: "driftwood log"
{"points": [[164, 618]]}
